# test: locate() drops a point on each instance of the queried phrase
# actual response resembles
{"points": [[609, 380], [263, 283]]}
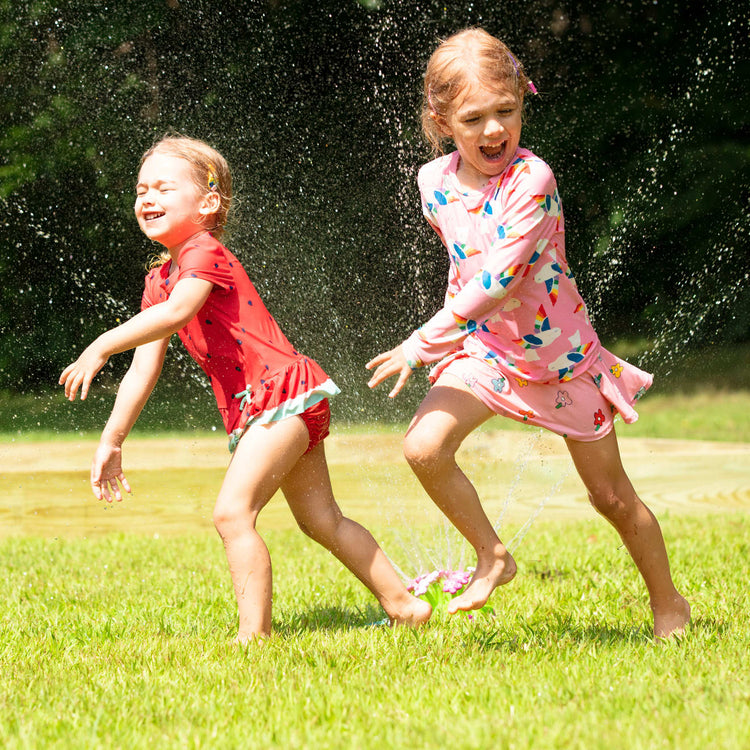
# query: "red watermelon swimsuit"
{"points": [[256, 374]]}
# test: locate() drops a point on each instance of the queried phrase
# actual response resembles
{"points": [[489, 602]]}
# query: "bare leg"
{"points": [[449, 412], [308, 491], [611, 493], [265, 454]]}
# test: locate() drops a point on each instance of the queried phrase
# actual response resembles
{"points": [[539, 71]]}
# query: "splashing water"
{"points": [[705, 290], [322, 134], [443, 548], [683, 314]]}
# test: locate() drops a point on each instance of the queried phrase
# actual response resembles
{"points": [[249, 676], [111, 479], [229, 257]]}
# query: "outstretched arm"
{"points": [[152, 324], [135, 388]]}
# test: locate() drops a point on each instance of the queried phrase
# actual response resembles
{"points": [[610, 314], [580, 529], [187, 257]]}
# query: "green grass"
{"points": [[706, 398], [123, 641], [706, 414]]}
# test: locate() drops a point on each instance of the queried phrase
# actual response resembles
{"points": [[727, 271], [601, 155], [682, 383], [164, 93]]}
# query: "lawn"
{"points": [[123, 640], [116, 621], [706, 398]]}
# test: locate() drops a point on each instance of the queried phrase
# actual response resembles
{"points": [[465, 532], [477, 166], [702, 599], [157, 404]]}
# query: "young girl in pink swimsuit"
{"points": [[514, 337], [273, 400]]}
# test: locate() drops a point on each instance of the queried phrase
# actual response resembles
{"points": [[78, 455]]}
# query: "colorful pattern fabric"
{"points": [[256, 374], [581, 409], [511, 301]]}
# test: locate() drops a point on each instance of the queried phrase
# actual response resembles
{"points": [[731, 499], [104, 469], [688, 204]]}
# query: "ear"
{"points": [[442, 124], [211, 203]]}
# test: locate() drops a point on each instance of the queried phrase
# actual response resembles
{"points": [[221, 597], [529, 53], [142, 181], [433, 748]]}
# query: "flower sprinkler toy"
{"points": [[440, 586]]}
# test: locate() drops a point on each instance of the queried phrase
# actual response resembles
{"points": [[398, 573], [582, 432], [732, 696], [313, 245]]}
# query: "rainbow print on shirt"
{"points": [[461, 251], [494, 285], [549, 275], [544, 334], [466, 325], [567, 361]]}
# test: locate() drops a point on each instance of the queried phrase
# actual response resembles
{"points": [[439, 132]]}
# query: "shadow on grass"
{"points": [[708, 628], [328, 618], [559, 635], [518, 638], [565, 633]]}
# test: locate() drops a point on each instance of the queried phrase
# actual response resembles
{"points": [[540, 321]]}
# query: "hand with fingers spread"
{"points": [[106, 472], [390, 363], [82, 371]]}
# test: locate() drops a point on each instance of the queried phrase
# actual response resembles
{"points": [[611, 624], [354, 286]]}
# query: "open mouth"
{"points": [[151, 217], [495, 152]]}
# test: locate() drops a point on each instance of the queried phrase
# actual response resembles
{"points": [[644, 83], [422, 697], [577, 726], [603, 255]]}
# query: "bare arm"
{"points": [[152, 324], [135, 388]]}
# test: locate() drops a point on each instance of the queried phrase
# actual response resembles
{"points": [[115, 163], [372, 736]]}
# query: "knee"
{"points": [[613, 505], [306, 529], [231, 518], [322, 529], [424, 453]]}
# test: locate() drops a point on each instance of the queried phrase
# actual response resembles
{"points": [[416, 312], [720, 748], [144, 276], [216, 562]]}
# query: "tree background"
{"points": [[641, 114]]}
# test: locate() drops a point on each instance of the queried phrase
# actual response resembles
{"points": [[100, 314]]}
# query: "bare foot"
{"points": [[245, 639], [414, 614], [487, 577], [672, 621]]}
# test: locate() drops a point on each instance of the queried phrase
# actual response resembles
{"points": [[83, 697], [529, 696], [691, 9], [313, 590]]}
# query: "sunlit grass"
{"points": [[124, 641], [707, 414], [112, 639], [706, 398]]}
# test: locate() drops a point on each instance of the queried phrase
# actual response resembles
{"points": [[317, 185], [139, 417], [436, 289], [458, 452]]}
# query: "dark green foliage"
{"points": [[641, 115]]}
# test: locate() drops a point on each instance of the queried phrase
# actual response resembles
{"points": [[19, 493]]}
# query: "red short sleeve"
{"points": [[205, 259]]}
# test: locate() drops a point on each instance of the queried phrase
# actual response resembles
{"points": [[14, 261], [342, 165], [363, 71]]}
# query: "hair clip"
{"points": [[530, 85], [213, 182]]}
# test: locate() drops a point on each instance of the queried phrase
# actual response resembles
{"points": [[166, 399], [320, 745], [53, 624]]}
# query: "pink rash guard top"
{"points": [[511, 300]]}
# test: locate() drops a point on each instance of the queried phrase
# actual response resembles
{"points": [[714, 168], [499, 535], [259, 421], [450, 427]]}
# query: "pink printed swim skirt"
{"points": [[583, 408]]}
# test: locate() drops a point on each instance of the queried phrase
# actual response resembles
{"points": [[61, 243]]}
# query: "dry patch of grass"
{"points": [[45, 489]]}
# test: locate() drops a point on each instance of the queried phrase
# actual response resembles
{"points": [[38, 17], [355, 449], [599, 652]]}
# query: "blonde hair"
{"points": [[210, 172], [467, 56]]}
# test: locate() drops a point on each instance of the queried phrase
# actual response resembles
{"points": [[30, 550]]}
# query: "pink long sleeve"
{"points": [[510, 293]]}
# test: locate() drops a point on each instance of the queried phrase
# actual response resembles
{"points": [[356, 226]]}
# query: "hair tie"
{"points": [[529, 84], [213, 182]]}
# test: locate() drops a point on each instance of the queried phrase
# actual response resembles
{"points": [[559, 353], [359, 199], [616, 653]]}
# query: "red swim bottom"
{"points": [[317, 419]]}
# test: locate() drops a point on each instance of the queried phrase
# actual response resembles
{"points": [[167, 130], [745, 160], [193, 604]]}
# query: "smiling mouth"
{"points": [[493, 153], [151, 217]]}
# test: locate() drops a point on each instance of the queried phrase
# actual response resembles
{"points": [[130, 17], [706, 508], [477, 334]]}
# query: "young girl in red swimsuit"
{"points": [[273, 400]]}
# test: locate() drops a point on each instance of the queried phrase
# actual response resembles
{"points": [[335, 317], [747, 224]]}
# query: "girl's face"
{"points": [[485, 125], [169, 206]]}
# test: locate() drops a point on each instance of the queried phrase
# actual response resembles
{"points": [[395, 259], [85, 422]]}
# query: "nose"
{"points": [[493, 126], [146, 198]]}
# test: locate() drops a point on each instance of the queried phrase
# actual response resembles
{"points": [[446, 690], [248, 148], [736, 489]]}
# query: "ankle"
{"points": [[668, 604], [493, 555]]}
